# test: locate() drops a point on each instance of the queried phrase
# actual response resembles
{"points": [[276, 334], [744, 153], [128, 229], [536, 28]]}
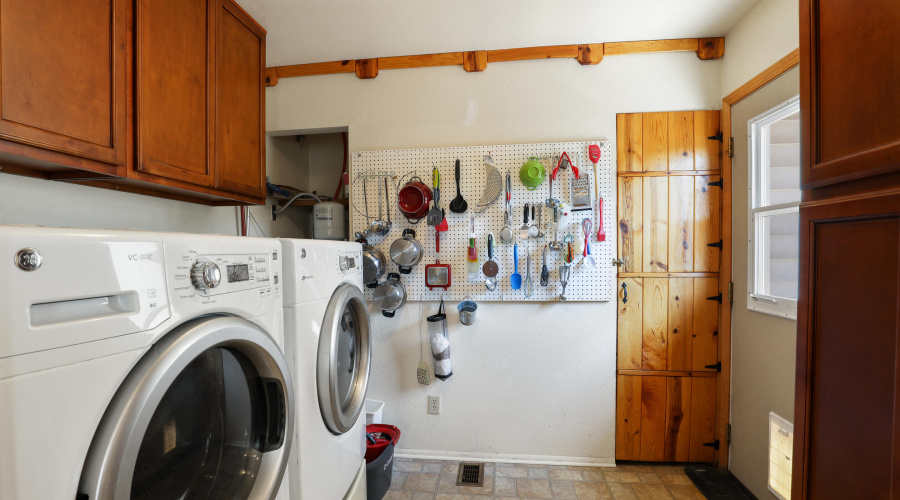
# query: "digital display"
{"points": [[238, 272]]}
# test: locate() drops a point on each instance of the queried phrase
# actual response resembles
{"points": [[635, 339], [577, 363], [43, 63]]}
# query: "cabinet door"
{"points": [[848, 89], [175, 92], [240, 102], [63, 77]]}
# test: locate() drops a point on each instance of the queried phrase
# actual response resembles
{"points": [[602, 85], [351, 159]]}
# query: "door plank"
{"points": [[706, 150], [655, 326], [630, 321], [703, 418], [680, 321], [706, 324], [628, 417], [630, 233], [629, 149], [681, 224], [654, 138], [707, 208], [681, 140], [678, 419], [653, 418], [656, 224]]}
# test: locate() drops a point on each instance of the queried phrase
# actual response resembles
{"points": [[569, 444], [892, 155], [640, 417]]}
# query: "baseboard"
{"points": [[505, 458]]}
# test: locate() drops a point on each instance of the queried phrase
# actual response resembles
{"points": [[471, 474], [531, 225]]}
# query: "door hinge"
{"points": [[717, 244], [717, 183], [717, 366], [730, 150], [717, 298], [728, 433], [714, 444], [717, 137], [618, 262], [731, 292]]}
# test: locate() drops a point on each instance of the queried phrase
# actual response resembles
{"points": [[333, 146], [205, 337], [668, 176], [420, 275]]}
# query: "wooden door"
{"points": [[63, 76], [848, 92], [669, 240], [240, 102], [175, 88], [846, 417]]}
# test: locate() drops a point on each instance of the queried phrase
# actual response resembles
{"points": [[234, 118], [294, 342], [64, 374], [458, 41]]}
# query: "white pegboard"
{"points": [[585, 284]]}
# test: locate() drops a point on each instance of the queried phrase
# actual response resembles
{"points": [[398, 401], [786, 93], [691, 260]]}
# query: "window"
{"points": [[774, 210]]}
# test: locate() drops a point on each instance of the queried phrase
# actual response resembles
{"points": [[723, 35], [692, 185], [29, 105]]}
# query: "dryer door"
{"points": [[206, 413], [342, 371]]}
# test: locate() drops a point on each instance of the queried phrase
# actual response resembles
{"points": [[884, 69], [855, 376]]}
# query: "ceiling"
{"points": [[306, 31]]}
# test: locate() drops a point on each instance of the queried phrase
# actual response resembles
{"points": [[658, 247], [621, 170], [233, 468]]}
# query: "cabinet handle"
{"points": [[624, 293]]}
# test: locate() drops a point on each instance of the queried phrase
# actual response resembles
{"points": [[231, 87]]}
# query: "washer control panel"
{"points": [[217, 274]]}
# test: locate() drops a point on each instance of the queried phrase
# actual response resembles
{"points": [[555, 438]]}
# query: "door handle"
{"points": [[624, 293]]}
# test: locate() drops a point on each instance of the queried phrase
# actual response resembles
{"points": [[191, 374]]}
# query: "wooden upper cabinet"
{"points": [[240, 102], [63, 76], [174, 42], [850, 126]]}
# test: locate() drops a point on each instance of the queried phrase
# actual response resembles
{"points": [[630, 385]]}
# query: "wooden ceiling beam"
{"points": [[474, 61]]}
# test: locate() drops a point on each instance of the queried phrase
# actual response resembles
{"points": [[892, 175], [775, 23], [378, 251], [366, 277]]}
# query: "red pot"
{"points": [[414, 199]]}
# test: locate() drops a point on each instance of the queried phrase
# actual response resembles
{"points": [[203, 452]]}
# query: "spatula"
{"points": [[458, 205], [515, 278]]}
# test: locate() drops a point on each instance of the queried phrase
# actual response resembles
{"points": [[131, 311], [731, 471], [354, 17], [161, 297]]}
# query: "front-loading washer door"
{"points": [[345, 351], [207, 413]]}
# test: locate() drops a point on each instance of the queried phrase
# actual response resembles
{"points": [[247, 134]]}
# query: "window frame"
{"points": [[758, 208]]}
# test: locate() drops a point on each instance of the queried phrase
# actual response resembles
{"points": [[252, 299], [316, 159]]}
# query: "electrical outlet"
{"points": [[434, 405]]}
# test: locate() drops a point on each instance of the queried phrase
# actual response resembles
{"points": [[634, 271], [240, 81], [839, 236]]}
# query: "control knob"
{"points": [[205, 275]]}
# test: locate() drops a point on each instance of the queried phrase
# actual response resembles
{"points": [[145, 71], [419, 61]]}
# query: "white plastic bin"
{"points": [[373, 411]]}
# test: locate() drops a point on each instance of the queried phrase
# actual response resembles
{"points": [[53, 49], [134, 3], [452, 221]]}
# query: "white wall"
{"points": [[530, 380], [766, 34], [25, 200]]}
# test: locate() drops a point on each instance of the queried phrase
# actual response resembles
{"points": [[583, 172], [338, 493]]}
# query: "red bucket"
{"points": [[383, 435]]}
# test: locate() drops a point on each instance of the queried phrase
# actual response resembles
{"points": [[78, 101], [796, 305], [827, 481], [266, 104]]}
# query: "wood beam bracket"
{"points": [[590, 53], [475, 61], [366, 68], [710, 48], [271, 77]]}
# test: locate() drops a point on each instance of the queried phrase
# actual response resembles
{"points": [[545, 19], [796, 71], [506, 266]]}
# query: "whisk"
{"points": [[588, 259]]}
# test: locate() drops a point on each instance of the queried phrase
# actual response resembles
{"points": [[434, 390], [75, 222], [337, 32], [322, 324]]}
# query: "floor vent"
{"points": [[470, 474]]}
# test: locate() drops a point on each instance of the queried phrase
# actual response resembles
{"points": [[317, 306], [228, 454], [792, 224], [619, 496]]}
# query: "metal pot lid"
{"points": [[373, 264], [389, 294], [406, 251]]}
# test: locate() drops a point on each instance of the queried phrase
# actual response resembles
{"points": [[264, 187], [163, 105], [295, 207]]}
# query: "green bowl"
{"points": [[532, 173]]}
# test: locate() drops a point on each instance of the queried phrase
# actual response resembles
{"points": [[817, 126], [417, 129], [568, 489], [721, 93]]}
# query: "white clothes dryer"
{"points": [[328, 345], [141, 366]]}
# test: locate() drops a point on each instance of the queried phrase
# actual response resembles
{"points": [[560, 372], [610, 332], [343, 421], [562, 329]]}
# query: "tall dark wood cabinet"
{"points": [[847, 414]]}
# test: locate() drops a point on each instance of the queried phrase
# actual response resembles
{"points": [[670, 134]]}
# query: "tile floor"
{"points": [[436, 480]]}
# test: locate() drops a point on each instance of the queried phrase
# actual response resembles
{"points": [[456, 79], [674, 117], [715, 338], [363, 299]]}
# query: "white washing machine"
{"points": [[328, 345], [141, 366]]}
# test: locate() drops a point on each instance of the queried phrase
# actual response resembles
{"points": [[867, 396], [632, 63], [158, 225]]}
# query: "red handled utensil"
{"points": [[601, 234]]}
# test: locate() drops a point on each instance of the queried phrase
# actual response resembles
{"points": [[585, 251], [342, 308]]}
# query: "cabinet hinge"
{"points": [[717, 298], [618, 262], [717, 137], [730, 150], [717, 183], [717, 244], [717, 366], [731, 292], [728, 433], [714, 445]]}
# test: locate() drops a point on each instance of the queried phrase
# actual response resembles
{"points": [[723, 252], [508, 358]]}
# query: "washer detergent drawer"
{"points": [[78, 286]]}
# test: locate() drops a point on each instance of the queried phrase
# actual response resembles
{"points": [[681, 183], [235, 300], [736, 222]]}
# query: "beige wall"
{"points": [[531, 381], [763, 347], [766, 34]]}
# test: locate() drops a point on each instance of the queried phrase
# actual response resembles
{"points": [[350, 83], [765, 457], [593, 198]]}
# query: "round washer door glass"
{"points": [[205, 438], [343, 359]]}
